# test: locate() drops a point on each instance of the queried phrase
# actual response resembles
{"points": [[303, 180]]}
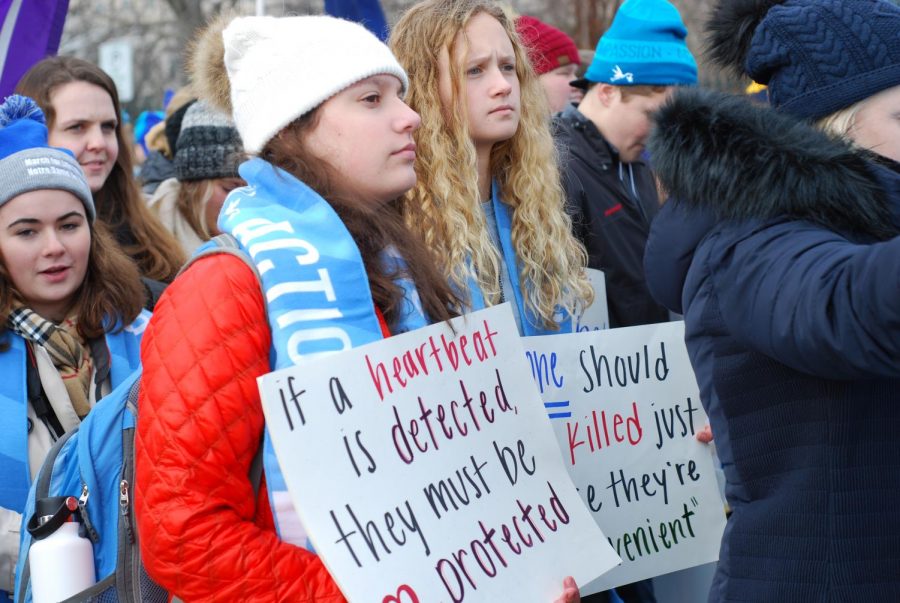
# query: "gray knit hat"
{"points": [[28, 164], [208, 146]]}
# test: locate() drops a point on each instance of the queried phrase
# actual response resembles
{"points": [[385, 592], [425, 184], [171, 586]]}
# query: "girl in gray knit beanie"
{"points": [[66, 292]]}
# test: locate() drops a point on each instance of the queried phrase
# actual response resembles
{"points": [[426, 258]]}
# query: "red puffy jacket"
{"points": [[204, 535]]}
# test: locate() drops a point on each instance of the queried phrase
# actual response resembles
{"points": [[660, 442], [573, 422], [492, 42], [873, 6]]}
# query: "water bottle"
{"points": [[61, 561]]}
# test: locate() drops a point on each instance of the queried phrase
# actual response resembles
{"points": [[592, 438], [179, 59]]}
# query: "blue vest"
{"points": [[15, 474]]}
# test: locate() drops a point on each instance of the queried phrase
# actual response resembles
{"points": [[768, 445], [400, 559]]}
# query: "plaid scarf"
{"points": [[66, 348]]}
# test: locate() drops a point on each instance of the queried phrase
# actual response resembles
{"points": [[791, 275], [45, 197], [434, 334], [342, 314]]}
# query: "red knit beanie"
{"points": [[548, 47]]}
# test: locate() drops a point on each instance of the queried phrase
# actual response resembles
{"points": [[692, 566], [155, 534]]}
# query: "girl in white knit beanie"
{"points": [[319, 102], [332, 148]]}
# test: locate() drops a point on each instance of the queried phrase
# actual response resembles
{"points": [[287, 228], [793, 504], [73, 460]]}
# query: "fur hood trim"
{"points": [[206, 64], [730, 30], [742, 160]]}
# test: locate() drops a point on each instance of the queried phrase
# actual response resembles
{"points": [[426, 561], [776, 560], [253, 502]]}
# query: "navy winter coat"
{"points": [[783, 256]]}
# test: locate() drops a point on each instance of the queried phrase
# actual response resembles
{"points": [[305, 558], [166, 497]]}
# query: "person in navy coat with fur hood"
{"points": [[780, 248]]}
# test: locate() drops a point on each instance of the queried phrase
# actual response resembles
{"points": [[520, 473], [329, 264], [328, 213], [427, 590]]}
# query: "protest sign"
{"points": [[625, 406], [596, 316], [424, 470]]}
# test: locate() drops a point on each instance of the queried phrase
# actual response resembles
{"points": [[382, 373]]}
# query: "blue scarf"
{"points": [[313, 280], [15, 474], [530, 323]]}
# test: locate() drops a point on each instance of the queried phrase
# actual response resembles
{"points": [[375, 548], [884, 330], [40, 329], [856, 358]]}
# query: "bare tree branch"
{"points": [[160, 30]]}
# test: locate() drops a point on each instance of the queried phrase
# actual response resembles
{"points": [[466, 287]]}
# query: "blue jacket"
{"points": [[15, 475], [782, 255]]}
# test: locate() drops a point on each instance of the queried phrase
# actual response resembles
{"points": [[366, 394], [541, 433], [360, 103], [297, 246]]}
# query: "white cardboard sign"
{"points": [[596, 316], [424, 469], [625, 406]]}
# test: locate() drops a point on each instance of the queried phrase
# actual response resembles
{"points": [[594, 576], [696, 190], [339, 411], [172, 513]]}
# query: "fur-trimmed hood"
{"points": [[740, 160], [206, 64]]}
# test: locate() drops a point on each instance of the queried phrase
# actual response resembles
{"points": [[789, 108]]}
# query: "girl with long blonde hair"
{"points": [[332, 148], [488, 198]]}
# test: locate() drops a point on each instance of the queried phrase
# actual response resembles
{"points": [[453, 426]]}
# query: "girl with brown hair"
{"points": [[332, 151], [81, 105], [70, 308], [336, 266]]}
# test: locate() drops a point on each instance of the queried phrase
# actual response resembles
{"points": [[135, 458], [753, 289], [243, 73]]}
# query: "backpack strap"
{"points": [[42, 485], [38, 400], [256, 468], [153, 289], [223, 243], [226, 243], [102, 363]]}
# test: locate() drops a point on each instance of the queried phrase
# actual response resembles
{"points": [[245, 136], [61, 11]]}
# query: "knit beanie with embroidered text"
{"points": [[645, 45], [28, 163]]}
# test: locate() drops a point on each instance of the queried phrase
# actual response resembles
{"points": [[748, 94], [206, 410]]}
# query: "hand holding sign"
{"points": [[570, 592]]}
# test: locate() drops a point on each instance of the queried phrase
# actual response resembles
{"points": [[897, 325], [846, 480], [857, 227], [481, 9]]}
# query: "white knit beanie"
{"points": [[280, 68]]}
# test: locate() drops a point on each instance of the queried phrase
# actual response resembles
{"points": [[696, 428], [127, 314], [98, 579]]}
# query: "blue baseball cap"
{"points": [[645, 45]]}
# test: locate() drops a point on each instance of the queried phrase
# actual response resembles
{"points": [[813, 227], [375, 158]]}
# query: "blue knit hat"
{"points": [[28, 164], [645, 45], [819, 56]]}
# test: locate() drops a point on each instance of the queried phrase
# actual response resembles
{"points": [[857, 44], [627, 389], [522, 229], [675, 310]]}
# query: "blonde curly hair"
{"points": [[445, 208]]}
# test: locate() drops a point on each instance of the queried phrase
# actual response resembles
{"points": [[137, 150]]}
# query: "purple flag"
{"points": [[31, 31]]}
